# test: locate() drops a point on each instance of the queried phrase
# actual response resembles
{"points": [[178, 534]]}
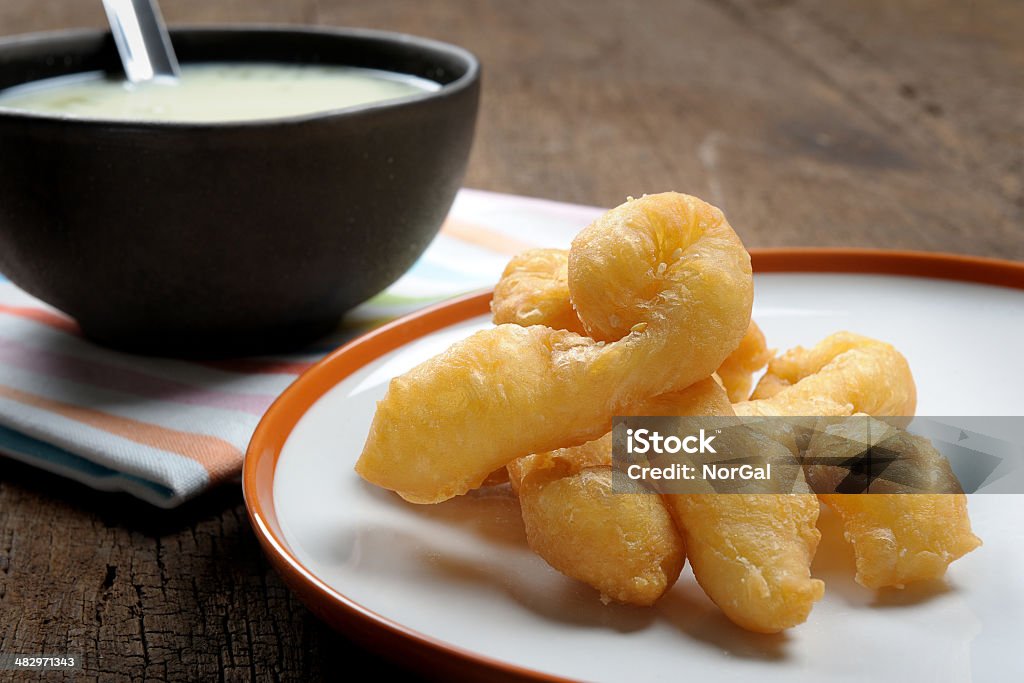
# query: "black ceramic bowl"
{"points": [[236, 237]]}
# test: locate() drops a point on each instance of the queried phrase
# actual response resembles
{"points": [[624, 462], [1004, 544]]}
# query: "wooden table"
{"points": [[863, 123]]}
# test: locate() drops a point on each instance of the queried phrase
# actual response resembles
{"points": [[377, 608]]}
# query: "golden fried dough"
{"points": [[534, 290], [901, 538], [666, 272], [897, 538], [843, 374], [623, 544], [752, 553], [766, 586], [736, 371]]}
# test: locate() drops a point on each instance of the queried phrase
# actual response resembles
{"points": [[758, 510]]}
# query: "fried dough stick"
{"points": [[751, 553], [897, 538], [845, 373], [622, 543], [534, 290], [625, 545], [664, 275], [738, 368]]}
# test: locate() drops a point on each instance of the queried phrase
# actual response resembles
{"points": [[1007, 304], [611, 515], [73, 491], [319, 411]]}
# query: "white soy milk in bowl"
{"points": [[212, 92]]}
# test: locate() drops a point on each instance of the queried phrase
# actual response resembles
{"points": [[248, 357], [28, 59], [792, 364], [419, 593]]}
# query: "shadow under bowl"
{"points": [[228, 238]]}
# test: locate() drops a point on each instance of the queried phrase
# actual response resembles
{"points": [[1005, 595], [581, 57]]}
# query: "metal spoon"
{"points": [[142, 40]]}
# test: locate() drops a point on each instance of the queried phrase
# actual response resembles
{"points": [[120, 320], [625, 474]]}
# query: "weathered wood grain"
{"points": [[877, 123]]}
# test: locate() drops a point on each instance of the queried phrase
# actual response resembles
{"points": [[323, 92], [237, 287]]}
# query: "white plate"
{"points": [[460, 572]]}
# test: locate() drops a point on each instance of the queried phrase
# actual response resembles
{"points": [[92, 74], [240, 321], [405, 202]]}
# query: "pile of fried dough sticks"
{"points": [[648, 313]]}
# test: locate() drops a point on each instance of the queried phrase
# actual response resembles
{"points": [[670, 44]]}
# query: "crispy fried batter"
{"points": [[901, 537], [623, 544], [534, 290], [897, 538], [737, 370], [755, 566], [752, 553], [843, 374], [653, 296], [665, 273]]}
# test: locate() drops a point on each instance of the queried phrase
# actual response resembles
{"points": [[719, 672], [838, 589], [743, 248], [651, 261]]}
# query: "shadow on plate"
{"points": [[492, 512], [914, 594], [690, 611], [547, 593], [527, 581]]}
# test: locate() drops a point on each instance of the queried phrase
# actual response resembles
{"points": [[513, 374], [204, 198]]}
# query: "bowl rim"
{"points": [[430, 45], [384, 634]]}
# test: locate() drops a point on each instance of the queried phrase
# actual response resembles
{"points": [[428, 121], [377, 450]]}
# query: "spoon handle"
{"points": [[142, 40]]}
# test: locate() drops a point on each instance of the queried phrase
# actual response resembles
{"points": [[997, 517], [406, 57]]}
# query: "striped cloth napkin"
{"points": [[165, 430]]}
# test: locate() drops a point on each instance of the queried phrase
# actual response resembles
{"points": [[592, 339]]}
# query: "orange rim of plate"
{"points": [[419, 650]]}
